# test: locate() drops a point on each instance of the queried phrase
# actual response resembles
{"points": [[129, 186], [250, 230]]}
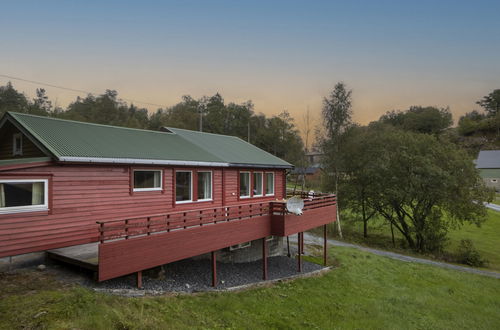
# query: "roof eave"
{"points": [[103, 160]]}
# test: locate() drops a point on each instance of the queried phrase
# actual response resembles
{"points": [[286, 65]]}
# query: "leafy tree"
{"points": [[337, 118], [491, 103], [422, 186], [12, 100], [430, 120], [41, 104]]}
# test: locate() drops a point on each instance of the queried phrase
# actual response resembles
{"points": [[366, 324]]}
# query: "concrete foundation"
{"points": [[21, 261], [248, 254]]}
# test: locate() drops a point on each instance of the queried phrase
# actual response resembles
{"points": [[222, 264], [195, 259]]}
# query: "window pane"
{"points": [[147, 179], [204, 185], [182, 186], [269, 183], [244, 184], [257, 184], [22, 194]]}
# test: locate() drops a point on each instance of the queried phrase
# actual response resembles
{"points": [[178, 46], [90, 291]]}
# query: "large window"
{"points": [[23, 195], [269, 184], [183, 186], [204, 186], [258, 185], [147, 180], [244, 184]]}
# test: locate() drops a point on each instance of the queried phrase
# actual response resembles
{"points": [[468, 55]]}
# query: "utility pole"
{"points": [[200, 110]]}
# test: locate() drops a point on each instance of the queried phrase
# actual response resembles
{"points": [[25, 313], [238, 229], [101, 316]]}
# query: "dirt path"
{"points": [[311, 239]]}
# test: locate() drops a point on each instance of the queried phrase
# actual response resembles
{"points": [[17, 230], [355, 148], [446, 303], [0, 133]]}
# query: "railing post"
{"points": [[101, 232], [149, 225], [126, 229]]}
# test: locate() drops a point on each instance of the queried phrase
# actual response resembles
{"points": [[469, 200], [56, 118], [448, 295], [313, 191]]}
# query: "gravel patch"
{"points": [[195, 276]]}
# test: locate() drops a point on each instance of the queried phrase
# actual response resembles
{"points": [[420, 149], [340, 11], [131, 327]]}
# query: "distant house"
{"points": [[488, 163], [314, 158]]}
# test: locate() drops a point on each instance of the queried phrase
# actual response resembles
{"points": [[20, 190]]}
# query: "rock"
{"points": [[41, 267], [188, 286], [41, 313]]}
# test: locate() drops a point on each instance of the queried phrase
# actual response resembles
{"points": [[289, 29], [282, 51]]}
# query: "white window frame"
{"points": [[274, 183], [15, 151], [190, 190], [240, 246], [261, 184], [147, 189], [28, 208], [211, 187], [249, 182]]}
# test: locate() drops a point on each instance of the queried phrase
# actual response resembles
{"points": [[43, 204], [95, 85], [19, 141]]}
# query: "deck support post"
{"points": [[325, 241], [264, 258], [139, 279], [299, 254], [214, 269]]}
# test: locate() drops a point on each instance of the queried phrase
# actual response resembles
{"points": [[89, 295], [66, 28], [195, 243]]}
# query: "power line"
{"points": [[75, 90]]}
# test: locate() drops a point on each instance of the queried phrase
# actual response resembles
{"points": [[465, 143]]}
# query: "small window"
{"points": [[258, 185], [23, 195], [147, 180], [17, 144], [183, 186], [244, 184], [269, 184], [240, 246], [204, 186]]}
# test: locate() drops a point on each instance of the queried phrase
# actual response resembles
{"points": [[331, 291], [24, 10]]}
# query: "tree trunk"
{"points": [[392, 234], [365, 220], [337, 206]]}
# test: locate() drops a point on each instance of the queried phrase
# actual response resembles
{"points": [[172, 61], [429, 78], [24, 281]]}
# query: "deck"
{"points": [[134, 244], [85, 255]]}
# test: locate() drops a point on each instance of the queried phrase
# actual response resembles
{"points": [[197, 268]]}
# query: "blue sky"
{"points": [[279, 54]]}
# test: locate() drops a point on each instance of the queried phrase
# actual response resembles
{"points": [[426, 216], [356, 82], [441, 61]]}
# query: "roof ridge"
{"points": [[198, 132], [14, 114]]}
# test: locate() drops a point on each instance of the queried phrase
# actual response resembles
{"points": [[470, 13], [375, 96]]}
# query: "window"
{"points": [[23, 195], [244, 184], [240, 246], [147, 180], [258, 184], [17, 144], [183, 186], [204, 186], [269, 184]]}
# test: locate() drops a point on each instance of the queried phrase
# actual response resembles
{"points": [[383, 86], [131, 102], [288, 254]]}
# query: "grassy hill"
{"points": [[485, 238], [363, 291]]}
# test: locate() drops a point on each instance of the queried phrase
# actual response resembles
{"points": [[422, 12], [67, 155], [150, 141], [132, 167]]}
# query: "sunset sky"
{"points": [[279, 54]]}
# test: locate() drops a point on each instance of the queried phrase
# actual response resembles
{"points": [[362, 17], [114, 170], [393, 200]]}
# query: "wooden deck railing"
{"points": [[166, 222], [147, 225]]}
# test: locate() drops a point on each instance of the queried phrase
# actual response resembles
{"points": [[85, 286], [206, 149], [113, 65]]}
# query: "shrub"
{"points": [[467, 254]]}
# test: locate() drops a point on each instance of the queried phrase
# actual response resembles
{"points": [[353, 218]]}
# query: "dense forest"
{"points": [[277, 134]]}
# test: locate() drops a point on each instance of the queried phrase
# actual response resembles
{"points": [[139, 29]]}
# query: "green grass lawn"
{"points": [[363, 291], [486, 238]]}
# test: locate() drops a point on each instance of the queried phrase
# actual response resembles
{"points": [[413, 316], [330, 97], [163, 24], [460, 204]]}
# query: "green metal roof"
{"points": [[230, 148], [75, 141]]}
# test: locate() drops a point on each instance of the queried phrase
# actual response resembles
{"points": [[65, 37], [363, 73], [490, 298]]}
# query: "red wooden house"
{"points": [[147, 197]]}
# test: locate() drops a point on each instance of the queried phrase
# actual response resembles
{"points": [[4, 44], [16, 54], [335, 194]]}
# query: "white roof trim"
{"points": [[102, 160], [140, 161]]}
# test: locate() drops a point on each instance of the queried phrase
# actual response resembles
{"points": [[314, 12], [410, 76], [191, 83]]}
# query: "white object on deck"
{"points": [[295, 205]]}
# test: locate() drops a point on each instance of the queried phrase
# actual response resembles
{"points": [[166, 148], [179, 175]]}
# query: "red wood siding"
{"points": [[285, 225], [80, 195], [127, 256]]}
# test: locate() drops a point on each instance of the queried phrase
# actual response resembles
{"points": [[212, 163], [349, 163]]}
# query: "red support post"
{"points": [[214, 269], [264, 258], [139, 279], [325, 241], [299, 254]]}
